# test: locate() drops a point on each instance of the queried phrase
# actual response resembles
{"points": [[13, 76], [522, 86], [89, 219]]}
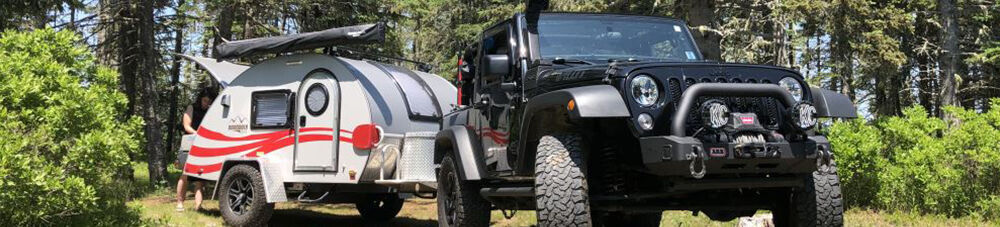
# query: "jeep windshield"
{"points": [[595, 38]]}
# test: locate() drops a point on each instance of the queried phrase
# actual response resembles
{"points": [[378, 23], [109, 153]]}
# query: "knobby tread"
{"points": [[260, 210], [471, 209], [820, 203], [560, 184]]}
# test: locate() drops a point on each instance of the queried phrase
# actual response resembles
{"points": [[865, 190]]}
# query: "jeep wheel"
{"points": [[560, 185], [242, 200], [459, 203], [380, 207], [818, 203]]}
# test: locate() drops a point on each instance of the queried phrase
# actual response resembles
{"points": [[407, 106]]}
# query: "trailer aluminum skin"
{"points": [[316, 128], [608, 120]]}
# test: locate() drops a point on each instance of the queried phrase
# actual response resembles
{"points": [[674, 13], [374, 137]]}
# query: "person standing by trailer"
{"points": [[191, 121]]}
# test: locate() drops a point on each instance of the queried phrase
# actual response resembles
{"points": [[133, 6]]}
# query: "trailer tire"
{"points": [[459, 202], [560, 184], [380, 207], [242, 200], [818, 203]]}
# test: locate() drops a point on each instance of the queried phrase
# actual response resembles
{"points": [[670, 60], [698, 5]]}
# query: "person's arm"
{"points": [[186, 120]]}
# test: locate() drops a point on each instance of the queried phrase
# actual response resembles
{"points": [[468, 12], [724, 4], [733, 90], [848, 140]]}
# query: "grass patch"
{"points": [[156, 207]]}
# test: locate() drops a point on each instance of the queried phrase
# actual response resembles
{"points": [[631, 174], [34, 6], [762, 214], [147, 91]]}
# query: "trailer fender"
{"points": [[459, 142], [832, 104], [274, 186]]}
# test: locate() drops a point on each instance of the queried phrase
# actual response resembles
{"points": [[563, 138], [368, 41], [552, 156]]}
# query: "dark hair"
{"points": [[207, 93], [204, 93]]}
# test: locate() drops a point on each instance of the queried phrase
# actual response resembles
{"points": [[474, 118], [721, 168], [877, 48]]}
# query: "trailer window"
{"points": [[270, 109]]}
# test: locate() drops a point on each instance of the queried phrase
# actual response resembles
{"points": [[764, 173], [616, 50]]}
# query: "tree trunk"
{"points": [[949, 55], [175, 74], [700, 14], [224, 23], [146, 59]]}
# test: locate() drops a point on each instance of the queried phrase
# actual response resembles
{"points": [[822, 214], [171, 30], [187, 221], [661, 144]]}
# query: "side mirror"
{"points": [[225, 100], [497, 65]]}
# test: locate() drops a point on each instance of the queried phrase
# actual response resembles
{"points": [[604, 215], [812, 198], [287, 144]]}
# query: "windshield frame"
{"points": [[531, 27]]}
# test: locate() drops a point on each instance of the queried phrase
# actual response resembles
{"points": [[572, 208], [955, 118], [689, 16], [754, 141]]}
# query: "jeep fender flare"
{"points": [[274, 188], [832, 104], [460, 143], [589, 102]]}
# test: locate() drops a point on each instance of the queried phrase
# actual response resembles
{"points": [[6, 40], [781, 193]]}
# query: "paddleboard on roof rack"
{"points": [[358, 34]]}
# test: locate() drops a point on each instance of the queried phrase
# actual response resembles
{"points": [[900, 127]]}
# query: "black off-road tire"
{"points": [[560, 184], [459, 202], [818, 203], [254, 213], [380, 207]]}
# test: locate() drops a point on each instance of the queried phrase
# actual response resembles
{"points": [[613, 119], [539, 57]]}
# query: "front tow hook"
{"points": [[697, 157]]}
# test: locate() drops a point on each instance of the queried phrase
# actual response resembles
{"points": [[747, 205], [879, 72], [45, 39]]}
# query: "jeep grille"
{"points": [[766, 108]]}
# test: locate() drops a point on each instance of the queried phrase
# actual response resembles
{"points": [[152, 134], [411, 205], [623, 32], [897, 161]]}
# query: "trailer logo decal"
{"points": [[239, 124]]}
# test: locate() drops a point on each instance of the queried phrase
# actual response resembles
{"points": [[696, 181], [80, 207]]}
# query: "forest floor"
{"points": [[157, 207]]}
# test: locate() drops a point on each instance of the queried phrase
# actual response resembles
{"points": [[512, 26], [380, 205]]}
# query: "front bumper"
{"points": [[687, 156]]}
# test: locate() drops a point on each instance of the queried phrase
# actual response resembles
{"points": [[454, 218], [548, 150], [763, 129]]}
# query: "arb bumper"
{"points": [[687, 156]]}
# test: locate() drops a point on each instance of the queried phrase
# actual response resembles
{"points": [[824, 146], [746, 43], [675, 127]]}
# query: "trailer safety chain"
{"points": [[697, 156], [303, 195]]}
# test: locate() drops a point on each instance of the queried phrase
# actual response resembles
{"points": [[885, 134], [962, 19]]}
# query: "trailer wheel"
{"points": [[560, 185], [242, 198], [380, 207], [819, 203], [459, 203]]}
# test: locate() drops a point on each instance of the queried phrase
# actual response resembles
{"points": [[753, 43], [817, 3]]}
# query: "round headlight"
{"points": [[715, 114], [644, 90], [792, 86], [645, 121], [804, 115]]}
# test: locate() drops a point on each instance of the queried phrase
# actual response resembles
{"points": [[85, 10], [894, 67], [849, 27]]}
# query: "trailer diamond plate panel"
{"points": [[417, 161], [274, 186]]}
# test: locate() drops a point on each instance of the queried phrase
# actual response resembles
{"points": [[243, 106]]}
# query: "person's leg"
{"points": [[197, 194], [181, 191]]}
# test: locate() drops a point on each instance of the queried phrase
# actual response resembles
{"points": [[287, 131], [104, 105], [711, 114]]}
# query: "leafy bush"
{"points": [[920, 163], [63, 145]]}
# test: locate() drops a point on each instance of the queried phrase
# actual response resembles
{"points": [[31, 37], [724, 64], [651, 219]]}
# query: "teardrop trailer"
{"points": [[316, 128]]}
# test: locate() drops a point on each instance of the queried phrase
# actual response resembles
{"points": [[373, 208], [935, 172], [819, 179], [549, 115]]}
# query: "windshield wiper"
{"points": [[611, 60], [563, 61]]}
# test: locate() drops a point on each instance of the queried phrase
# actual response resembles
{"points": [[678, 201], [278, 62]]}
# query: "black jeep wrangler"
{"points": [[608, 120]]}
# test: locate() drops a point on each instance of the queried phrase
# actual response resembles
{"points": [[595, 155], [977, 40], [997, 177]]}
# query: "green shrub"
{"points": [[919, 163], [63, 145]]}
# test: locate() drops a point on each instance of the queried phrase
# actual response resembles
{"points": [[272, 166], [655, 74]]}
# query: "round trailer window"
{"points": [[316, 99]]}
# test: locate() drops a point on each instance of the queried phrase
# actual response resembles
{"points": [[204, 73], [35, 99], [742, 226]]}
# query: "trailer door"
{"points": [[317, 123]]}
